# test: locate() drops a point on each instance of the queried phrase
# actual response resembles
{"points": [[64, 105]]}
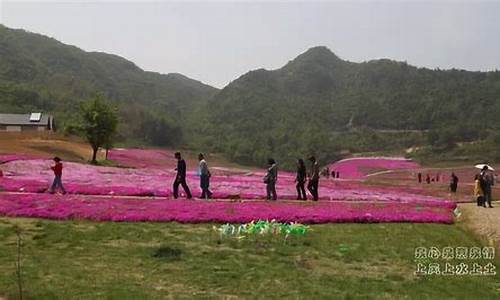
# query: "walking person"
{"points": [[57, 183], [204, 178], [300, 179], [478, 191], [453, 183], [488, 181], [180, 178], [313, 183], [270, 179], [419, 176]]}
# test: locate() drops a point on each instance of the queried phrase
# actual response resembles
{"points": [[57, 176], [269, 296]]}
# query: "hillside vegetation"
{"points": [[318, 103]]}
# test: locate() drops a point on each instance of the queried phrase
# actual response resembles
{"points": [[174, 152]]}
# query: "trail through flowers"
{"points": [[360, 167]]}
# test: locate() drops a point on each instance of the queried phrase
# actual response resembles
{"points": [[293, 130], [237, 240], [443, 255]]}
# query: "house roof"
{"points": [[23, 119]]}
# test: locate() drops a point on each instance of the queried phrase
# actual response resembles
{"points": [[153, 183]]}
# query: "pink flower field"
{"points": [[26, 179], [140, 158]]}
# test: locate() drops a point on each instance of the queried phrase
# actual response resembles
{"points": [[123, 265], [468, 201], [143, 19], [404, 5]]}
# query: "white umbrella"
{"points": [[481, 166]]}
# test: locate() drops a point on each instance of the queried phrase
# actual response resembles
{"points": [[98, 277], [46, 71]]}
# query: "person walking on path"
{"points": [[313, 183], [301, 180], [204, 177], [180, 178], [57, 183], [419, 176], [270, 179], [453, 182], [478, 191], [488, 181]]}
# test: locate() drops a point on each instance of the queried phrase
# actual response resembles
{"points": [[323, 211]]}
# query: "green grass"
{"points": [[85, 260]]}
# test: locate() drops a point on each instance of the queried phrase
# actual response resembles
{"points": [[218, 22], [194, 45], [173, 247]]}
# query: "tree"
{"points": [[99, 123], [108, 144]]}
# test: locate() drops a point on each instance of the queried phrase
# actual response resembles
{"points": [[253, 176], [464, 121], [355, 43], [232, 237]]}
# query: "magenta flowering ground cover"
{"points": [[27, 180], [4, 158], [160, 159], [34, 175], [118, 209], [143, 158]]}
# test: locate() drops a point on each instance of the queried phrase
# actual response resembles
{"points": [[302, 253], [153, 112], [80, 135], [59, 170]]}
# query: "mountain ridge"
{"points": [[41, 73], [301, 107]]}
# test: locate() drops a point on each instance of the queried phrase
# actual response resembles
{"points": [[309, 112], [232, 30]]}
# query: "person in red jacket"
{"points": [[57, 168]]}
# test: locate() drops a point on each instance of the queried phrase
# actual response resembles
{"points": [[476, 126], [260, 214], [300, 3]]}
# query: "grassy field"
{"points": [[85, 260]]}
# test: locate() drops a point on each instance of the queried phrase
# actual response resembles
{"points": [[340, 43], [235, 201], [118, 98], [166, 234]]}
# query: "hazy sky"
{"points": [[217, 42]]}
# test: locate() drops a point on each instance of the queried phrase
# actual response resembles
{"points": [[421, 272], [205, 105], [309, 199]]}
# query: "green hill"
{"points": [[319, 103], [41, 73]]}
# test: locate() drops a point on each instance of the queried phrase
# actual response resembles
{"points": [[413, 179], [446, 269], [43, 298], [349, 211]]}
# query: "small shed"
{"points": [[26, 122]]}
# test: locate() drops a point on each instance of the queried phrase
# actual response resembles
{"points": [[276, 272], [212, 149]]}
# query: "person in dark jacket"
{"points": [[180, 178], [487, 182], [57, 183], [204, 177], [453, 182], [270, 179], [301, 180], [313, 183]]}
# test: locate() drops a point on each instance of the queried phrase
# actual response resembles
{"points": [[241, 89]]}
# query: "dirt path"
{"points": [[484, 221]]}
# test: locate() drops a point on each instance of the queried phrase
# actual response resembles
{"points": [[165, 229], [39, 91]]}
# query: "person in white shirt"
{"points": [[204, 177]]}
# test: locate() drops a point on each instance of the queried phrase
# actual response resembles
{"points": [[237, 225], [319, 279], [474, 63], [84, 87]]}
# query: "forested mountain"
{"points": [[318, 103], [40, 73]]}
